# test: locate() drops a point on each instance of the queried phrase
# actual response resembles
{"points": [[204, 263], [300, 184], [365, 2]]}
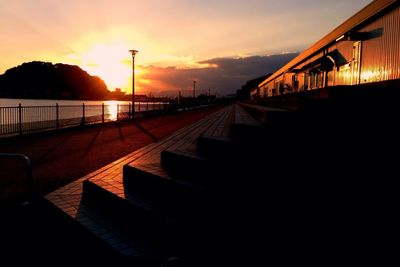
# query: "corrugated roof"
{"points": [[361, 16]]}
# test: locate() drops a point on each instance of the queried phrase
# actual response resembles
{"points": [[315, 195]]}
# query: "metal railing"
{"points": [[27, 119]]}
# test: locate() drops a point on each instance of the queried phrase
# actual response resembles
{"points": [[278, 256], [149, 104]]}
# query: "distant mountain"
{"points": [[43, 80]]}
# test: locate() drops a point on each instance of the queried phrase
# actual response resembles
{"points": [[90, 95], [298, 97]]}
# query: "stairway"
{"points": [[206, 192]]}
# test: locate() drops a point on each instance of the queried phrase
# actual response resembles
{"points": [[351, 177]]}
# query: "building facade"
{"points": [[363, 49]]}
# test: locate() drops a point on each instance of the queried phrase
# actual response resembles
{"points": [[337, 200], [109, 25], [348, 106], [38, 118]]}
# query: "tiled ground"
{"points": [[242, 116], [221, 129]]}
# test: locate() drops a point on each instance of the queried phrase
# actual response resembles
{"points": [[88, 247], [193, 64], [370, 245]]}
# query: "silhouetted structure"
{"points": [[51, 81], [117, 94], [363, 49], [251, 88]]}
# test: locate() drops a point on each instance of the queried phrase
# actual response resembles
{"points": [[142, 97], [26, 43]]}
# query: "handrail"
{"points": [[28, 165]]}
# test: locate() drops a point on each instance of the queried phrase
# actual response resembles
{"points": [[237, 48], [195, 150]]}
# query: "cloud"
{"points": [[223, 75]]}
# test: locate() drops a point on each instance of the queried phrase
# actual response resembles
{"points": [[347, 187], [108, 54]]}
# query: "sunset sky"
{"points": [[221, 43]]}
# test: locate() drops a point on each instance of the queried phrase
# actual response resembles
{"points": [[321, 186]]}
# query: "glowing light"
{"points": [[109, 62], [111, 110], [367, 76], [339, 38]]}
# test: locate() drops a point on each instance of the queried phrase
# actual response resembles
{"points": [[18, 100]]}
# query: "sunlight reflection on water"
{"points": [[111, 109]]}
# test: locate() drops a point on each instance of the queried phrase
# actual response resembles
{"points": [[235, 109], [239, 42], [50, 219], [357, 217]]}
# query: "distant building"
{"points": [[363, 49], [117, 94], [250, 89]]}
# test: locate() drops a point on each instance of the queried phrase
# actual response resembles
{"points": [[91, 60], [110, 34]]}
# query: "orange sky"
{"points": [[96, 35]]}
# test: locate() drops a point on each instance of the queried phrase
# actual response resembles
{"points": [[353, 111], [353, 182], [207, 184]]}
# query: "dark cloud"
{"points": [[224, 76]]}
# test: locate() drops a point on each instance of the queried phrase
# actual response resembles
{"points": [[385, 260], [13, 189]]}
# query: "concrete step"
{"points": [[177, 194], [215, 147], [190, 205], [215, 141], [145, 211], [271, 117], [124, 238], [191, 167], [245, 129], [141, 217], [242, 135]]}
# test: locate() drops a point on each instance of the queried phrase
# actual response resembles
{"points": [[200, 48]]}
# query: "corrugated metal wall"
{"points": [[301, 79], [381, 56], [270, 88], [343, 75]]}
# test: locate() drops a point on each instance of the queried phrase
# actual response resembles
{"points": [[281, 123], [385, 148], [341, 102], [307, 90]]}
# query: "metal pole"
{"points": [[20, 118], [133, 86], [117, 111], [133, 52], [83, 114], [102, 112], [57, 118]]}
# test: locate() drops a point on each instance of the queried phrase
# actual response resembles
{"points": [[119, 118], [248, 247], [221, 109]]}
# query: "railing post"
{"points": [[102, 112], [83, 114], [147, 105], [57, 118], [117, 111], [139, 107], [20, 118], [129, 111], [154, 105]]}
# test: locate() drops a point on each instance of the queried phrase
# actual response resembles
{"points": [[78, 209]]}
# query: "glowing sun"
{"points": [[112, 63]]}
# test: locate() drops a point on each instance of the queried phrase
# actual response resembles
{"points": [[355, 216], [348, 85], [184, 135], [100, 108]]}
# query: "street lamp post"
{"points": [[133, 52]]}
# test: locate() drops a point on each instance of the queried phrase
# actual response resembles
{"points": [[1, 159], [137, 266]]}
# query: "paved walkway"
{"points": [[59, 158]]}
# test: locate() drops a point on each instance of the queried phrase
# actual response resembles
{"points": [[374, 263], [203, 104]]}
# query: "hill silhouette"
{"points": [[44, 80]]}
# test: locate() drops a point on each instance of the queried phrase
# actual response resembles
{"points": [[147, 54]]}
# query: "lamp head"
{"points": [[133, 52]]}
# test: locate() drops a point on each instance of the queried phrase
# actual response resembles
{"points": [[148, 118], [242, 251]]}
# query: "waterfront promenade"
{"points": [[37, 231], [60, 157]]}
